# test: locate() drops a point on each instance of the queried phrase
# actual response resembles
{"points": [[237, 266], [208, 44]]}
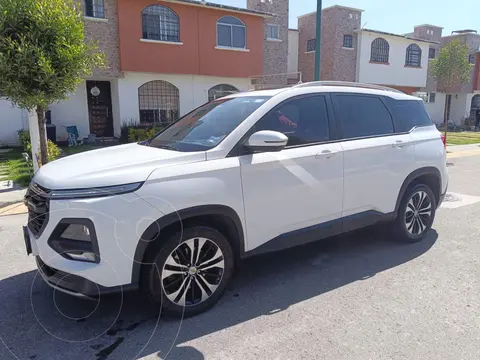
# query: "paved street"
{"points": [[359, 296]]}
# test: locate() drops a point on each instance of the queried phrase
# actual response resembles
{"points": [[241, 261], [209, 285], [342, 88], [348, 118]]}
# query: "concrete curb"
{"points": [[13, 209]]}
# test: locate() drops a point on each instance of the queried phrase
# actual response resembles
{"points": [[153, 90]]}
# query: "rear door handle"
{"points": [[325, 154], [398, 144]]}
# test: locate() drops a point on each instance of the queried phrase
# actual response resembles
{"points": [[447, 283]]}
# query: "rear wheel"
{"points": [[415, 214], [188, 276]]}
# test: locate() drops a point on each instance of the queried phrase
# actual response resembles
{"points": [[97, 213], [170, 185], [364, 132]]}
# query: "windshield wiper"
{"points": [[167, 147]]}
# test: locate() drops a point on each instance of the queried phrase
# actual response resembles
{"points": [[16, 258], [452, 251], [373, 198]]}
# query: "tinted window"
{"points": [[303, 120], [205, 127], [362, 116], [410, 113]]}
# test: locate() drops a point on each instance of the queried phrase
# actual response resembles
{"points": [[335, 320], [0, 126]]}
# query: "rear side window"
{"points": [[410, 113], [362, 116]]}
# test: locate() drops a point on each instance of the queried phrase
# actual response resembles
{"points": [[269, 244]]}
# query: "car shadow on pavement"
{"points": [[39, 323]]}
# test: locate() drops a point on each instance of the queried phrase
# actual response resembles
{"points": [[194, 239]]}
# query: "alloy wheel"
{"points": [[418, 213], [193, 272]]}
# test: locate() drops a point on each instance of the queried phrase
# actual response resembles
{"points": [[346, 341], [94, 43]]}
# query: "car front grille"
{"points": [[36, 200]]}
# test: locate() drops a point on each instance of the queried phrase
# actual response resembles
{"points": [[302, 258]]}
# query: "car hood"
{"points": [[115, 165]]}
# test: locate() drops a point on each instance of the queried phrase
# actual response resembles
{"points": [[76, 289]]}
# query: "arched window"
{"points": [[380, 51], [413, 56], [231, 32], [158, 102], [160, 23], [221, 90]]}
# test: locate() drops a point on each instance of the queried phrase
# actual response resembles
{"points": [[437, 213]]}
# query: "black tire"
{"points": [[155, 265], [413, 226]]}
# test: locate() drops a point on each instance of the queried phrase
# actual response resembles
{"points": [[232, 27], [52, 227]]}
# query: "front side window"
{"points": [[95, 8], [158, 102], [431, 53], [348, 41], [303, 120], [362, 116], [205, 127], [273, 32], [311, 45], [413, 56], [160, 23], [231, 32], [380, 51], [432, 97], [410, 113], [471, 59]]}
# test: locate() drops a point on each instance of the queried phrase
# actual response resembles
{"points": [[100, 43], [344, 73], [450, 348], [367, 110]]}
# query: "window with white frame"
{"points": [[471, 59], [160, 23], [158, 102], [311, 45], [95, 8], [273, 32], [348, 41], [432, 97], [413, 56], [231, 32], [380, 51]]}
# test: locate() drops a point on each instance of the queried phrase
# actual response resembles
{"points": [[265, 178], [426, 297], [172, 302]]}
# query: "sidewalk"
{"points": [[455, 151], [11, 198]]}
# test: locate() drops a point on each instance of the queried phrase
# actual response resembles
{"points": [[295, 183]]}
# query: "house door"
{"points": [[100, 108]]}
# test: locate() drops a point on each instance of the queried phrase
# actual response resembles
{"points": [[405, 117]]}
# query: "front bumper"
{"points": [[76, 285], [117, 231]]}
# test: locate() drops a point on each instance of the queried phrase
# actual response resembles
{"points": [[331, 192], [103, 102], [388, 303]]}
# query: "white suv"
{"points": [[245, 174]]}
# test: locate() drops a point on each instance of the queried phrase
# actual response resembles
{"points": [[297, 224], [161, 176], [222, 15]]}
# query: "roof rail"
{"points": [[349, 84]]}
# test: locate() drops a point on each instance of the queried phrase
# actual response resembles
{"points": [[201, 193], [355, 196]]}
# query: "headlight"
{"points": [[94, 192]]}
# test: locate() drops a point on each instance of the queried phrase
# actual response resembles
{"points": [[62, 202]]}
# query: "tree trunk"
{"points": [[43, 135], [445, 117]]}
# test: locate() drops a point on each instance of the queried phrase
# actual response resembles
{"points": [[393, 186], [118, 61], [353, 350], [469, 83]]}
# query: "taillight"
{"points": [[444, 140]]}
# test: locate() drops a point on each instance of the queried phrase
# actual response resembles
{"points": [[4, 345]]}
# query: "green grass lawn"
{"points": [[463, 138], [14, 167]]}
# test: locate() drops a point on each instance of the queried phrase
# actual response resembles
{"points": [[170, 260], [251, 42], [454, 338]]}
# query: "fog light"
{"points": [[86, 256], [76, 239]]}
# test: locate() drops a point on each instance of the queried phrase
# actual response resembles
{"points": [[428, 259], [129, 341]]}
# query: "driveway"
{"points": [[359, 296]]}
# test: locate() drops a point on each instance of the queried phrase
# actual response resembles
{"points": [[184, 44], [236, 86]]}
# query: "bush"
{"points": [[24, 138], [52, 149], [136, 132]]}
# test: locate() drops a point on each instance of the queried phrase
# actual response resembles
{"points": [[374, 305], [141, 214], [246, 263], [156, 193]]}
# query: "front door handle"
{"points": [[325, 154], [399, 144]]}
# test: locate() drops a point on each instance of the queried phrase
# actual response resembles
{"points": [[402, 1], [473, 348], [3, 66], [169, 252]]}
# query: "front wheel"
{"points": [[416, 214], [188, 276]]}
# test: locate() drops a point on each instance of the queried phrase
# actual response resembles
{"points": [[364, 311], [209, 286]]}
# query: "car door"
{"points": [[300, 186], [376, 157]]}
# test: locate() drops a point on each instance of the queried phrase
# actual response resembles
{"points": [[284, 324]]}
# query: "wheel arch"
{"points": [[429, 176], [222, 217]]}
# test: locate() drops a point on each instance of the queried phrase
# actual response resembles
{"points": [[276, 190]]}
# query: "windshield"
{"points": [[205, 127]]}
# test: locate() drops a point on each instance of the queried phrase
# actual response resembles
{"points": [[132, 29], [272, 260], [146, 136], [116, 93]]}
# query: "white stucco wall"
{"points": [[73, 111], [395, 73], [193, 91], [12, 119], [436, 110], [292, 51]]}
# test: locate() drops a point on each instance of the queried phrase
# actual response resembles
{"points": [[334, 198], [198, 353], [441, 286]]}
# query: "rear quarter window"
{"points": [[409, 114]]}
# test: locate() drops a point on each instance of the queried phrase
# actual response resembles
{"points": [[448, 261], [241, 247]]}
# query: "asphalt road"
{"points": [[360, 296]]}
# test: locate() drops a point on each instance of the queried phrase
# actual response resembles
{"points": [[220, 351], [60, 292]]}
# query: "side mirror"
{"points": [[267, 141]]}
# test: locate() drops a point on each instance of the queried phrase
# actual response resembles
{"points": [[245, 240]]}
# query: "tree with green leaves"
{"points": [[451, 69], [43, 55]]}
